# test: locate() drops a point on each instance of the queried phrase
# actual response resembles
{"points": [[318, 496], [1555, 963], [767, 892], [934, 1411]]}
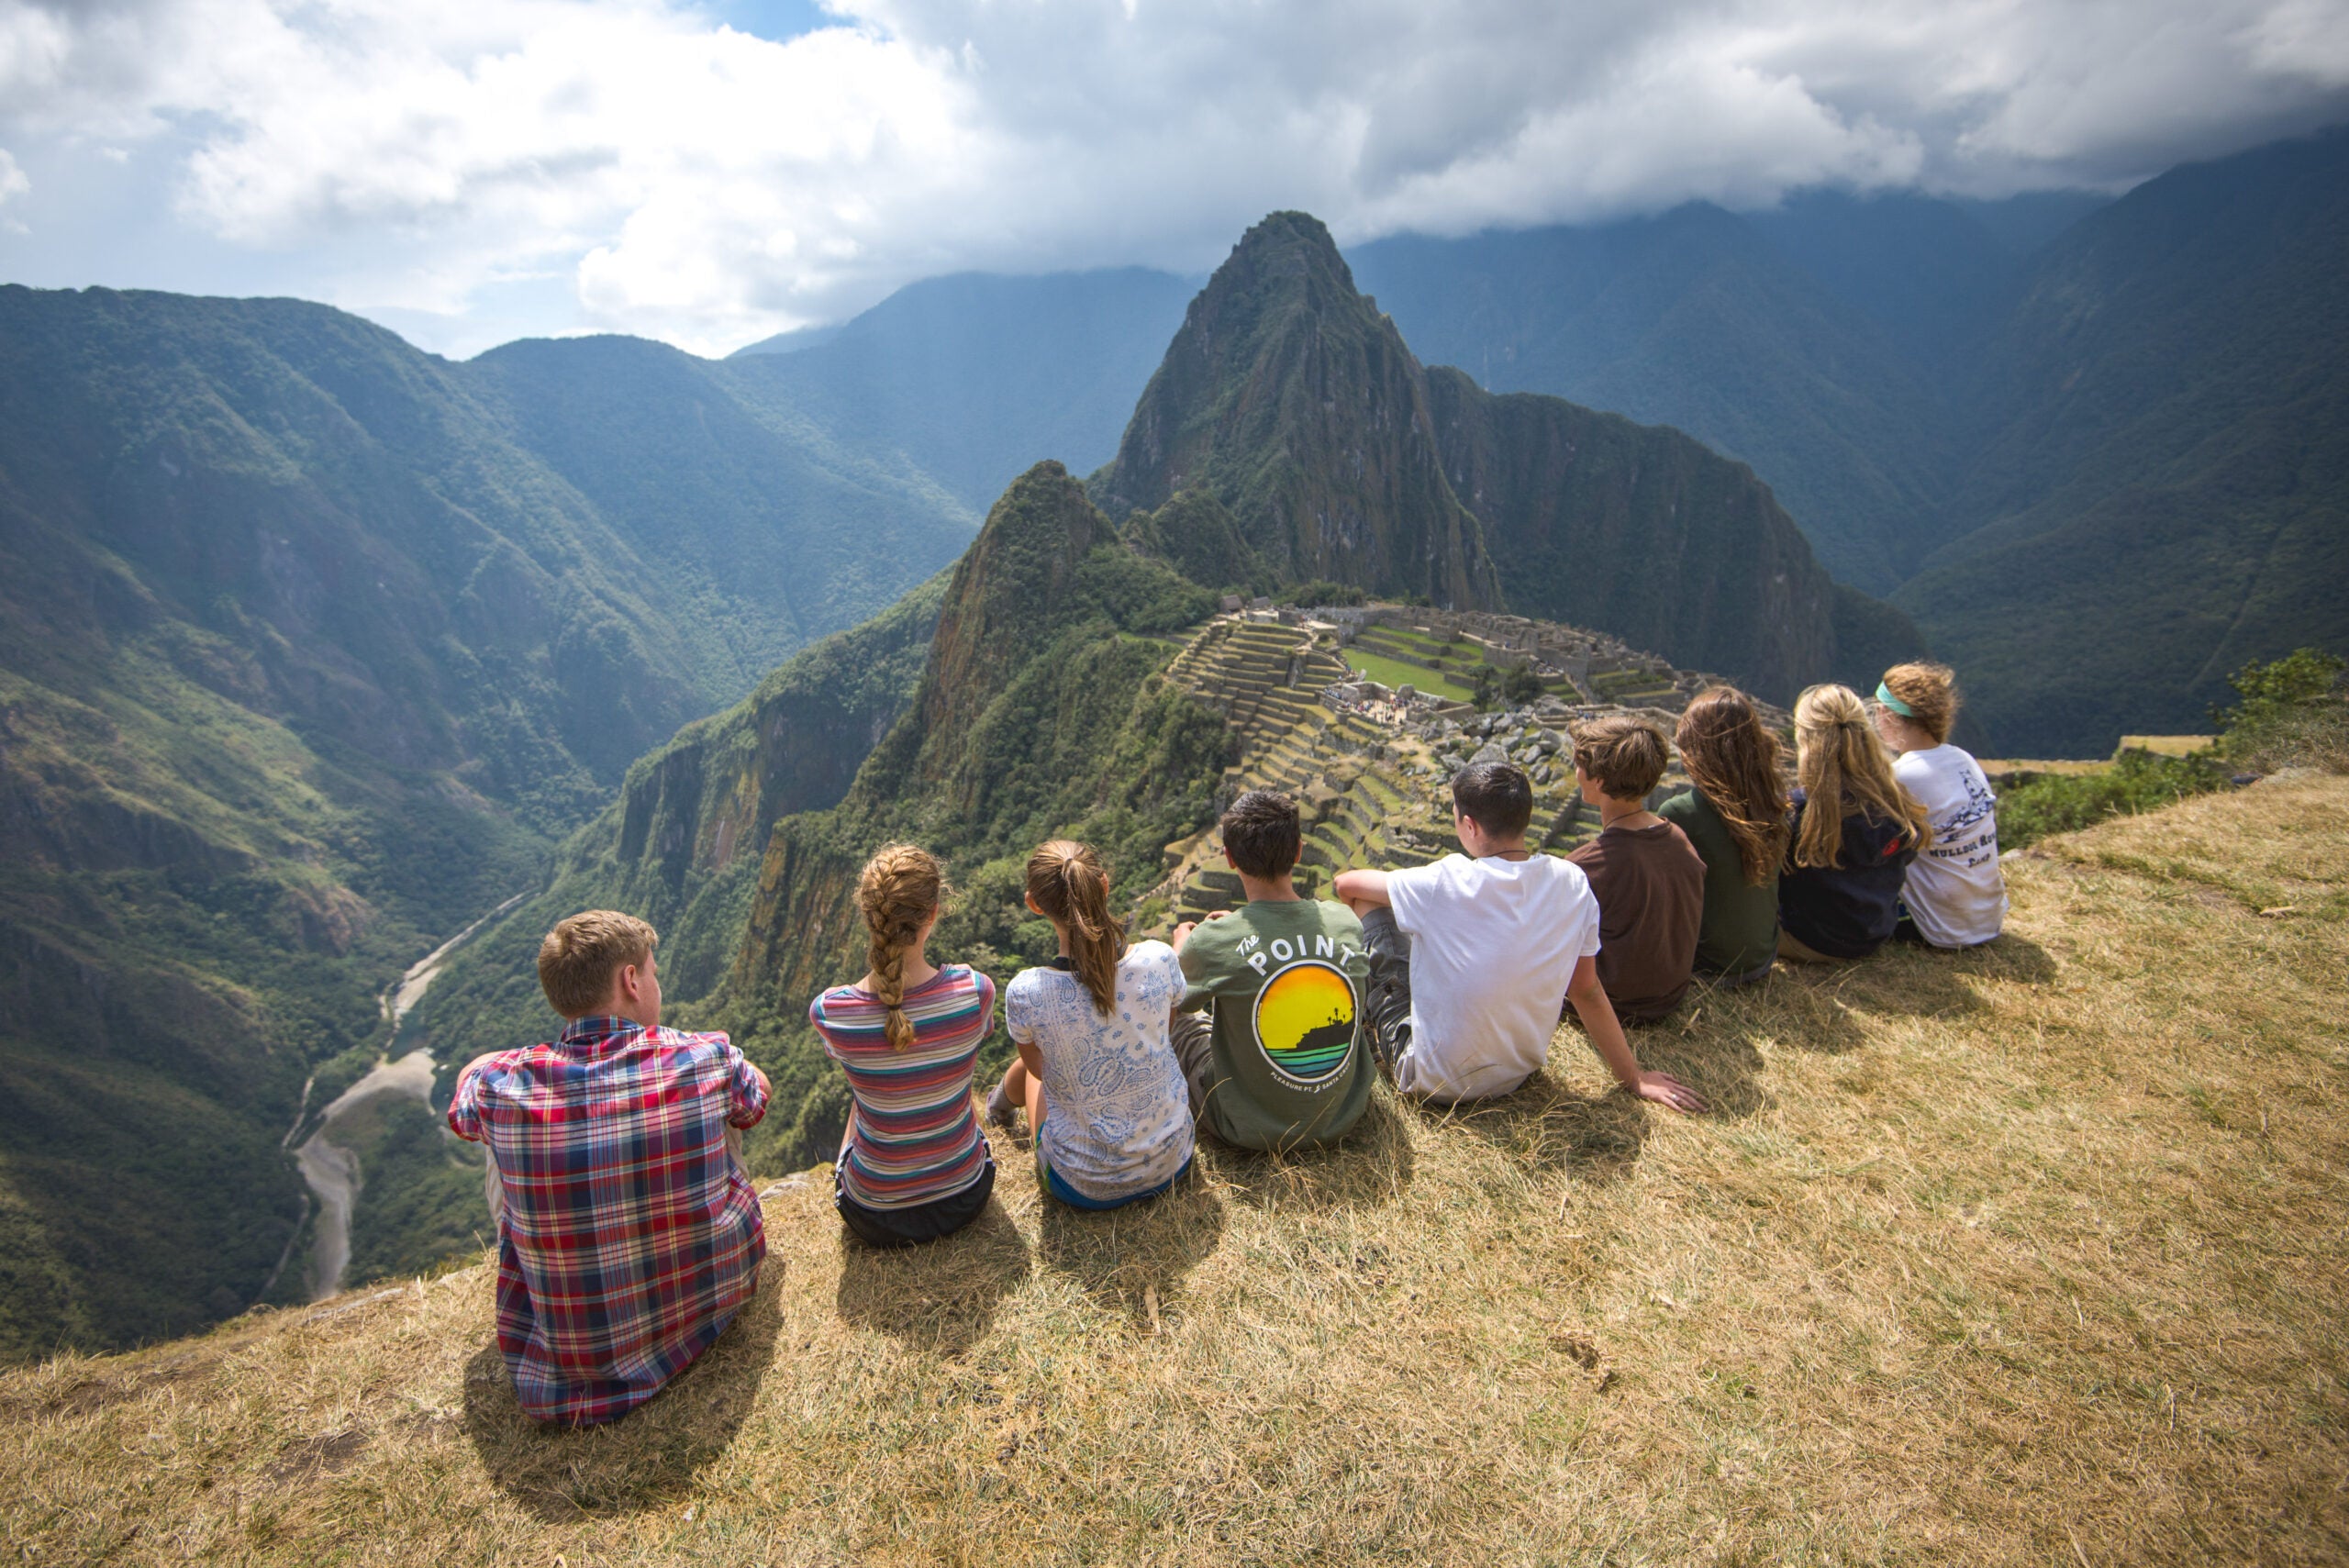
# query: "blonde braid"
{"points": [[902, 885]]}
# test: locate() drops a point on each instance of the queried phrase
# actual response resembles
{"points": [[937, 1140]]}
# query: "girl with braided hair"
{"points": [[1855, 831], [1106, 1096], [1735, 815], [914, 1165]]}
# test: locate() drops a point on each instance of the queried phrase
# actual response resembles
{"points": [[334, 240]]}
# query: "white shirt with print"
{"points": [[1116, 1112], [1955, 890], [1494, 945]]}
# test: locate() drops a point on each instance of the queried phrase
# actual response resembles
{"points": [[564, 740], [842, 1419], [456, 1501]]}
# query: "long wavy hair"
{"points": [[1844, 769], [1733, 763], [1068, 882], [901, 887]]}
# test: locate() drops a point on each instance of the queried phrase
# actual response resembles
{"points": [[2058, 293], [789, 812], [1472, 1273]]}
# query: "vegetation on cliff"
{"points": [[2027, 1255], [1290, 435], [310, 646]]}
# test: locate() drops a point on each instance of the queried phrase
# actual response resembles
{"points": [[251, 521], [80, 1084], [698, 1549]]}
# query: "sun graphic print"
{"points": [[1305, 1021]]}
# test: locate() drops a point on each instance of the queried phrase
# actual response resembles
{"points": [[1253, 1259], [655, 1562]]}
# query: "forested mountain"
{"points": [[973, 377], [1694, 320], [2159, 489], [1291, 405], [310, 645]]}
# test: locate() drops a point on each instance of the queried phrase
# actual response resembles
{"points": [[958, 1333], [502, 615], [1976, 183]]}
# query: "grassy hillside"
{"points": [[2025, 1255]]}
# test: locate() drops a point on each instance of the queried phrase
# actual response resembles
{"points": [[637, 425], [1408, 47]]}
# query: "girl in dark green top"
{"points": [[1736, 816]]}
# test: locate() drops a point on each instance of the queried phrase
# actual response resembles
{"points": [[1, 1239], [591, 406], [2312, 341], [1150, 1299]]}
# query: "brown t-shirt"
{"points": [[1651, 887]]}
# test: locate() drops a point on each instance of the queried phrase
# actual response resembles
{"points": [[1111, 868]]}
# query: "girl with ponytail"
{"points": [[1105, 1095], [1855, 831], [1735, 815], [913, 1165]]}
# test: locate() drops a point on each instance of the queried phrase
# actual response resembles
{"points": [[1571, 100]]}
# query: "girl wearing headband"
{"points": [[1855, 832], [1954, 895]]}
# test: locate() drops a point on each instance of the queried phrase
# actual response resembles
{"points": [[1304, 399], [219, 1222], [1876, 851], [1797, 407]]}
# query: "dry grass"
{"points": [[2032, 1254]]}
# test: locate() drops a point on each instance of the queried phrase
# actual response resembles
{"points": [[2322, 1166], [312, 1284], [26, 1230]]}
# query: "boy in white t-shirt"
{"points": [[1470, 956]]}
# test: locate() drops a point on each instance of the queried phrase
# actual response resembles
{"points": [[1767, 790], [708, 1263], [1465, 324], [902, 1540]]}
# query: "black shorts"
{"points": [[922, 1222]]}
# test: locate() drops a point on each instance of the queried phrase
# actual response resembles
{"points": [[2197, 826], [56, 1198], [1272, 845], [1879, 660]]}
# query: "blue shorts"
{"points": [[1074, 1199]]}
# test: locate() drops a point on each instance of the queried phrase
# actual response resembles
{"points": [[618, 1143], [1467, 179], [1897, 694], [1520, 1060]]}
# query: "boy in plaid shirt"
{"points": [[628, 1235]]}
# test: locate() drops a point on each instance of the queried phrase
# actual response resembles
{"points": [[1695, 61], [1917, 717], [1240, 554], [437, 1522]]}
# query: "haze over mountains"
{"points": [[313, 647], [2048, 371]]}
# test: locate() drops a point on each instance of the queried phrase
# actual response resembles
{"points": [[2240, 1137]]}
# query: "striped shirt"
{"points": [[914, 1137], [630, 1235]]}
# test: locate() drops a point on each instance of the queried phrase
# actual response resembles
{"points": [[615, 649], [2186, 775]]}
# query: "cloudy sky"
{"points": [[472, 171]]}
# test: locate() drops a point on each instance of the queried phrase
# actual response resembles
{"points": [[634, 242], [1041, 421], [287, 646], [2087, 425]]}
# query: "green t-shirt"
{"points": [[1740, 926], [1285, 980]]}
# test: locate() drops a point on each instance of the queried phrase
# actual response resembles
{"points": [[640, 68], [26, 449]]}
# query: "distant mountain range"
{"points": [[2048, 373]]}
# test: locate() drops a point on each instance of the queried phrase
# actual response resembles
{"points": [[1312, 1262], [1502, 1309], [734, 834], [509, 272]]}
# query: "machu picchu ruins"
{"points": [[1370, 760]]}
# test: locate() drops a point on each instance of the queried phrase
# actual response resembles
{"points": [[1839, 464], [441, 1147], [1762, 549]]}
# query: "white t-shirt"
{"points": [[1494, 945], [1116, 1112], [1954, 892]]}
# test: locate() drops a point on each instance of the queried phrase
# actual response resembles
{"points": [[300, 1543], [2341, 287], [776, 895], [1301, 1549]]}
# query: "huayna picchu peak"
{"points": [[1291, 437]]}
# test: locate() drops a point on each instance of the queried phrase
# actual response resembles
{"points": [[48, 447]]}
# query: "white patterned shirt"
{"points": [[1116, 1112]]}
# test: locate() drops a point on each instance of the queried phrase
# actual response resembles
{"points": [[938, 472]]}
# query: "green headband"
{"points": [[1884, 694]]}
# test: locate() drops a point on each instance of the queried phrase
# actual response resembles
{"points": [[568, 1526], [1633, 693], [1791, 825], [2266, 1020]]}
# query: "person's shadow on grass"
{"points": [[1133, 1260], [1549, 1127], [1369, 1166], [940, 1296], [648, 1457]]}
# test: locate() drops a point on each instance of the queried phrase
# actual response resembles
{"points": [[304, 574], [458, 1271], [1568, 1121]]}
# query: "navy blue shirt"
{"points": [[1848, 911]]}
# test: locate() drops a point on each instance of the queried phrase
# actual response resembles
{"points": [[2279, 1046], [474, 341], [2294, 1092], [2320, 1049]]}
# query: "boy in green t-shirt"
{"points": [[1278, 1064]]}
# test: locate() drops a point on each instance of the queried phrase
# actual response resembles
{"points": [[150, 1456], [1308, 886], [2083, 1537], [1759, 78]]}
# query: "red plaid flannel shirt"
{"points": [[630, 1234]]}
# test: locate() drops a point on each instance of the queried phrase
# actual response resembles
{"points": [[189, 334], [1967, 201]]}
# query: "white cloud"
{"points": [[701, 184], [13, 180]]}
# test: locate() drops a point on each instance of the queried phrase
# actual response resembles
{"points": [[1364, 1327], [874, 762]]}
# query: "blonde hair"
{"points": [[1930, 692], [1733, 763], [1842, 767], [578, 957], [901, 887], [1067, 882]]}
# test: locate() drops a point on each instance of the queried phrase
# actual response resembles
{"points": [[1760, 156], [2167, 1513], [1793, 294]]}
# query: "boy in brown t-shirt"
{"points": [[1649, 879]]}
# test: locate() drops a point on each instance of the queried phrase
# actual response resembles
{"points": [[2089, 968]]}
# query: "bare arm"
{"points": [[1599, 1019], [1361, 890]]}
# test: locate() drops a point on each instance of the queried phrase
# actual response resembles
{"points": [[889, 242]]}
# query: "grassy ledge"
{"points": [[2031, 1254]]}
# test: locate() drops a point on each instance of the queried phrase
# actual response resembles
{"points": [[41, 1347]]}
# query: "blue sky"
{"points": [[709, 171]]}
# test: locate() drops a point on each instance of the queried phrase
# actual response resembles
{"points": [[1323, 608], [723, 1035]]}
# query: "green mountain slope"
{"points": [[1287, 396], [1292, 408], [973, 377], [2162, 486], [1694, 320], [310, 645]]}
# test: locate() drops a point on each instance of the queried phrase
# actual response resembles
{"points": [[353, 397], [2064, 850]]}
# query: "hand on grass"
{"points": [[1667, 1090]]}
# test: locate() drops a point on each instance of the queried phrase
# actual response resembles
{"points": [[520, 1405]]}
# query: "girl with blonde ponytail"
{"points": [[913, 1165], [1104, 1093], [1855, 831]]}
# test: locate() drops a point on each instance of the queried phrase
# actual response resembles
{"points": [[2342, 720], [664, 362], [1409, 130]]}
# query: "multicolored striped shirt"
{"points": [[630, 1234], [914, 1137]]}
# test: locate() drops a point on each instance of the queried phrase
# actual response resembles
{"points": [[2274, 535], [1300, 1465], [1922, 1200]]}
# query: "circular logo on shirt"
{"points": [[1305, 1022]]}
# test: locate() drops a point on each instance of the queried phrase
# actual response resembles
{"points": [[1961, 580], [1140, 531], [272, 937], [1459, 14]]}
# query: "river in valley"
{"points": [[332, 1170]]}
